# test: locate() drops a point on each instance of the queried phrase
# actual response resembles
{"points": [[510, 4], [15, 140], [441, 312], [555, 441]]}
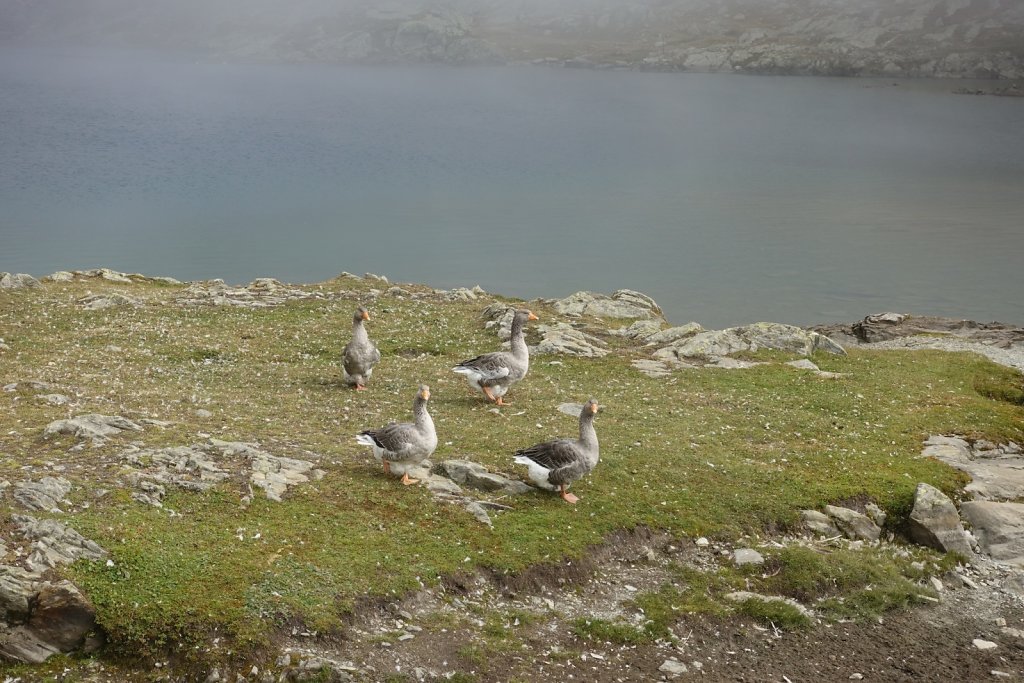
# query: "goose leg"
{"points": [[568, 497], [488, 394], [407, 480], [387, 467], [360, 387]]}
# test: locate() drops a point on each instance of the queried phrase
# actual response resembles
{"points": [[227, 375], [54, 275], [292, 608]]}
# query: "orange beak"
{"points": [[366, 315], [593, 408], [425, 395], [532, 316]]}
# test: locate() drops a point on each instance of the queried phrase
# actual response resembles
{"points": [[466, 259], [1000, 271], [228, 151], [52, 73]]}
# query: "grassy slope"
{"points": [[703, 452]]}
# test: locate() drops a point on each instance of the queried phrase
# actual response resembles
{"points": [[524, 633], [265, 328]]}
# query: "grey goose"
{"points": [[553, 465], [360, 354], [493, 373], [403, 445]]}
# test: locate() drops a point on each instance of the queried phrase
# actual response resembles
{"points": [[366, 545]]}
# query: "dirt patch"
{"points": [[496, 628]]}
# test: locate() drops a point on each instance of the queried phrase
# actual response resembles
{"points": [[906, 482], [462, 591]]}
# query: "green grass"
{"points": [[775, 613], [604, 631], [720, 453]]}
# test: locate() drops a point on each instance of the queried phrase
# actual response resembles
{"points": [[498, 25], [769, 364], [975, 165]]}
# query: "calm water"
{"points": [[729, 199]]}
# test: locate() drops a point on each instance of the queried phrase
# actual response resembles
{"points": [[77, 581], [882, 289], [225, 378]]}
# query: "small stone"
{"points": [[406, 636], [745, 556], [702, 542], [1000, 674], [673, 667], [937, 584], [856, 677], [984, 644]]}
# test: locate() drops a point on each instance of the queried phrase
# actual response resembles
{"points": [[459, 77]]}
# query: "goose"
{"points": [[493, 373], [360, 353], [553, 465], [403, 445]]}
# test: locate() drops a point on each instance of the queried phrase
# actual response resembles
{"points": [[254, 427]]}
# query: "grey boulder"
{"points": [[934, 522], [853, 524]]}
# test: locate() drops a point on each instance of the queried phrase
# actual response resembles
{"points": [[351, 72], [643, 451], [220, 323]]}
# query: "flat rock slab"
{"points": [[655, 369], [46, 494], [99, 302], [881, 327], [54, 544], [474, 475], [93, 426], [999, 528], [199, 467], [764, 335], [562, 338], [271, 473], [997, 472]]}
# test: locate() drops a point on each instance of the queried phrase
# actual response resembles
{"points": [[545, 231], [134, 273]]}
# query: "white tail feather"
{"points": [[538, 473], [365, 440]]}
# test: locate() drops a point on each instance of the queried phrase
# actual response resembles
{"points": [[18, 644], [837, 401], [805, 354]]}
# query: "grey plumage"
{"points": [[556, 464], [360, 354], [493, 373], [402, 445]]}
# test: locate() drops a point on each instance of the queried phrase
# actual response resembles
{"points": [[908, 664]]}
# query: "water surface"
{"points": [[727, 198]]}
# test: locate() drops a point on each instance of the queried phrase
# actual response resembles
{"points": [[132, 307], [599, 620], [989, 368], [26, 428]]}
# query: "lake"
{"points": [[728, 198]]}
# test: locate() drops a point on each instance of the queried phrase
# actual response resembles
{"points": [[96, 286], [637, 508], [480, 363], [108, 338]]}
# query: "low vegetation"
{"points": [[702, 453]]}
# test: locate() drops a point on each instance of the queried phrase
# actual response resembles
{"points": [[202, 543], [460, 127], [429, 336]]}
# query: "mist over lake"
{"points": [[728, 198]]}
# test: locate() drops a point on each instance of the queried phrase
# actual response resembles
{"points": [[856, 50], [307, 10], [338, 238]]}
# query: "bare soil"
{"points": [[533, 638]]}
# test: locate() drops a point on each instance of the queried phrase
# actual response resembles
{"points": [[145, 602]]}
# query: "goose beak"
{"points": [[593, 408], [532, 316], [366, 315], [425, 394]]}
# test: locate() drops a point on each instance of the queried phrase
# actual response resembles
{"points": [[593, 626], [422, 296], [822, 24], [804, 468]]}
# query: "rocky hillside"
{"points": [[920, 38]]}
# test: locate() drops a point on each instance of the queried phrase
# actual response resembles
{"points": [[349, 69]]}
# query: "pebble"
{"points": [[702, 542], [984, 644], [673, 667], [856, 677]]}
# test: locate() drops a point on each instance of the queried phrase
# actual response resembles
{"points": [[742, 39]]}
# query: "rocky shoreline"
{"points": [[912, 39], [42, 614]]}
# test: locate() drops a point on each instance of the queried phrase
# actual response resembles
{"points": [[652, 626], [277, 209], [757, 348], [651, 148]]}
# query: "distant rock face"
{"points": [[915, 38]]}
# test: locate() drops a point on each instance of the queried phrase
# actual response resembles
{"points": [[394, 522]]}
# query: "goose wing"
{"points": [[396, 438], [552, 454], [489, 366]]}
